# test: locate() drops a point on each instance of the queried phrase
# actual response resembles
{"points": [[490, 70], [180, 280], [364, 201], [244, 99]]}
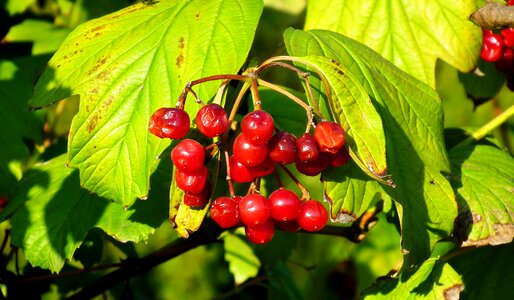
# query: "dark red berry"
{"points": [[314, 167], [282, 147], [193, 181], [170, 123], [508, 36], [492, 46], [307, 147], [329, 136], [247, 153], [225, 212], [262, 233], [239, 172], [188, 155], [264, 168], [284, 204], [3, 202], [290, 226], [510, 2], [340, 158], [212, 120], [200, 199], [506, 62], [312, 216], [254, 209], [258, 126]]}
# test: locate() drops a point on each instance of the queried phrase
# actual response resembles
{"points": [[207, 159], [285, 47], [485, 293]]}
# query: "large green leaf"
{"points": [[241, 259], [411, 34], [128, 64], [52, 215], [433, 280], [412, 118], [483, 178]]}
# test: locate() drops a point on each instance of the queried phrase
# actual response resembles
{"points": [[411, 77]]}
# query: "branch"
{"points": [[494, 15]]}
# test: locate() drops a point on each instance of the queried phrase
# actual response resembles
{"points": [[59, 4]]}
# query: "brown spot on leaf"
{"points": [[503, 234], [180, 60], [97, 65], [91, 124], [181, 43], [453, 292], [98, 28], [197, 16]]}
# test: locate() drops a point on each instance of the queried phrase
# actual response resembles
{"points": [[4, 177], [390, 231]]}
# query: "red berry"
{"points": [[282, 147], [193, 181], [506, 62], [264, 168], [508, 37], [170, 123], [340, 158], [254, 209], [510, 2], [312, 216], [225, 212], [314, 167], [239, 172], [307, 147], [200, 199], [260, 234], [329, 136], [284, 205], [290, 226], [258, 126], [492, 46], [212, 120], [188, 155], [247, 153]]}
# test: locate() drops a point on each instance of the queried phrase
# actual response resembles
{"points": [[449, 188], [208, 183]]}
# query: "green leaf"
{"points": [[486, 272], [18, 6], [54, 215], [433, 280], [242, 262], [483, 178], [412, 35], [483, 84], [412, 118], [128, 64], [45, 36]]}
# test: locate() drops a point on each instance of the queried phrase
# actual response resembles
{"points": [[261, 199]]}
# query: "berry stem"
{"points": [[221, 91], [229, 180], [277, 177], [305, 193]]}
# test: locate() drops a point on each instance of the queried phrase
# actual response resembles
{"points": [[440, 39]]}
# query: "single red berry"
{"points": [[170, 123], [239, 172], [510, 2], [212, 120], [282, 147], [506, 62], [254, 209], [307, 147], [225, 212], [284, 204], [262, 233], [247, 153], [508, 36], [313, 167], [329, 136], [339, 158], [188, 155], [258, 126], [264, 168], [492, 46], [193, 181], [290, 226], [200, 199], [312, 216]]}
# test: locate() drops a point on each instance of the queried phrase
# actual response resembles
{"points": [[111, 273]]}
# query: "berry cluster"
{"points": [[497, 48], [256, 151]]}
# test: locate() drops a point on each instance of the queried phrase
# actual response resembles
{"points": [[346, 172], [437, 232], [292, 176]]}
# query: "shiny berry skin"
{"points": [[312, 216], [313, 167], [248, 153], [329, 136], [239, 172], [282, 148], [262, 233], [254, 209], [284, 205], [200, 199], [212, 120], [307, 148], [172, 123], [508, 37], [506, 62], [340, 158], [258, 126], [188, 155], [264, 168], [492, 46], [192, 181], [225, 212]]}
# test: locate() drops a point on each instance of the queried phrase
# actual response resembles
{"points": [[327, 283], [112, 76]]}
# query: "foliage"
{"points": [[92, 199]]}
